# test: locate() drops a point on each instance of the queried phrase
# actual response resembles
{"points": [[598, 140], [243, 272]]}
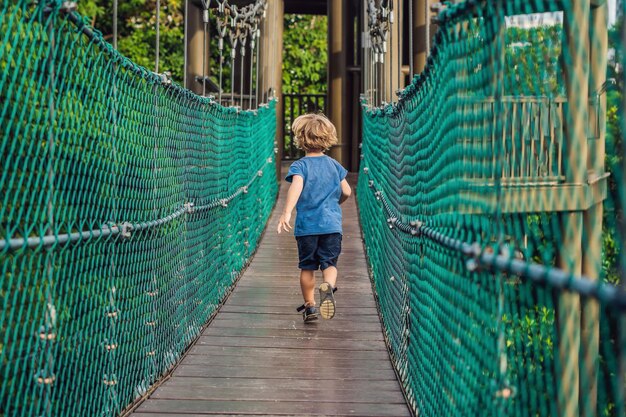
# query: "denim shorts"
{"points": [[318, 251]]}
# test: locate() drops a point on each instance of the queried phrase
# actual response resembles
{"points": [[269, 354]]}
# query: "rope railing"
{"points": [[128, 208], [124, 228], [503, 261]]}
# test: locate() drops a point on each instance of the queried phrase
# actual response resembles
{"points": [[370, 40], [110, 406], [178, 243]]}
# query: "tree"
{"points": [[304, 54], [137, 31], [614, 159], [532, 61]]}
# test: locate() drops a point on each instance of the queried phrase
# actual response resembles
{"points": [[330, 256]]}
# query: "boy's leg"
{"points": [[330, 275], [307, 246], [328, 252], [307, 284]]}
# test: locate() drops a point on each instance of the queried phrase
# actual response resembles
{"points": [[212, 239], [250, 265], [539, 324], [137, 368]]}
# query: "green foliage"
{"points": [[304, 57], [137, 31], [614, 160], [532, 63], [305, 54]]}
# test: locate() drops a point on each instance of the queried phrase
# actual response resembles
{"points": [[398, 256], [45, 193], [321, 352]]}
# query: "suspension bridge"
{"points": [[483, 269]]}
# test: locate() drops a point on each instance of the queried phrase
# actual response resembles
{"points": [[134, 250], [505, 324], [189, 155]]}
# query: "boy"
{"points": [[318, 186]]}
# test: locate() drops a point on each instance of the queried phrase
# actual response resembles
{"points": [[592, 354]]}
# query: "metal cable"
{"points": [[158, 36]]}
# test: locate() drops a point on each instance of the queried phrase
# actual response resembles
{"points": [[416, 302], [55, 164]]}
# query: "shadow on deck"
{"points": [[258, 358]]}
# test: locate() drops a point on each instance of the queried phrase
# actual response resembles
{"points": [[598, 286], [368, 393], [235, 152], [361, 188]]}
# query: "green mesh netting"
{"points": [[492, 231], [128, 208]]}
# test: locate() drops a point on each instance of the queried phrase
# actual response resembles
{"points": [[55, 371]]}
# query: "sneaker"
{"points": [[309, 314], [327, 301]]}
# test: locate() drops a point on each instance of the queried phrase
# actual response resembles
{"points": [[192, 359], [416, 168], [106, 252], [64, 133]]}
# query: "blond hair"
{"points": [[314, 132]]}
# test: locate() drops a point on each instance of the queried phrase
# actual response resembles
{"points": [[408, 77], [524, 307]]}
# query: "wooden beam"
{"points": [[337, 75], [420, 35], [563, 198], [568, 316], [592, 218], [316, 7], [270, 67], [195, 48]]}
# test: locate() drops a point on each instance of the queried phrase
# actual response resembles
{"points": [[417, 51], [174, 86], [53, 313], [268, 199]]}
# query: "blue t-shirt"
{"points": [[318, 206]]}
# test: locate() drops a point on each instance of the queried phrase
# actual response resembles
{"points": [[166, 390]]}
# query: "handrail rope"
{"points": [[606, 293], [124, 228]]}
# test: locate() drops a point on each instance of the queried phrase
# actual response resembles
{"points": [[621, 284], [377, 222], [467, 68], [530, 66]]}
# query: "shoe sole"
{"points": [[327, 301]]}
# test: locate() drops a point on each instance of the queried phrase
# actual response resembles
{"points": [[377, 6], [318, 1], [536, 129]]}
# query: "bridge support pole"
{"points": [[568, 314], [337, 60], [195, 48], [592, 218], [271, 68], [391, 70], [420, 35]]}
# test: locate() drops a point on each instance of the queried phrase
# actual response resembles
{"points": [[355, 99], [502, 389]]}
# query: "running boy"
{"points": [[318, 186]]}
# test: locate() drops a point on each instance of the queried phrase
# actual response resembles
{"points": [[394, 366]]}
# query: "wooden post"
{"points": [[337, 75], [391, 78], [576, 72], [592, 218], [271, 67], [195, 47], [352, 108], [420, 34]]}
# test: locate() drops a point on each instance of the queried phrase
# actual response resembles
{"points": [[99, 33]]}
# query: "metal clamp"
{"points": [[416, 227], [166, 77], [126, 229]]}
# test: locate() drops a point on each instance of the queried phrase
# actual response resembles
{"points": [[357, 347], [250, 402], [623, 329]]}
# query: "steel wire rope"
{"points": [[221, 23], [243, 39], [158, 36], [411, 34], [258, 47], [234, 37], [391, 49], [205, 22], [186, 41], [252, 43]]}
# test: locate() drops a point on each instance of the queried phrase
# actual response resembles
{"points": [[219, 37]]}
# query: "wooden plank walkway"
{"points": [[258, 358]]}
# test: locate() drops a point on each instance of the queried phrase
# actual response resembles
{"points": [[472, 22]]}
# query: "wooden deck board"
{"points": [[258, 358]]}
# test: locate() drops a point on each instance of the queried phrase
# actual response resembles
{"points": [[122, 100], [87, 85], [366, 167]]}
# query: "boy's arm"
{"points": [[293, 195], [346, 191]]}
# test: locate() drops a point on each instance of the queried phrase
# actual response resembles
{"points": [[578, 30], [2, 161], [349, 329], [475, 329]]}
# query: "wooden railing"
{"points": [[295, 105], [527, 132]]}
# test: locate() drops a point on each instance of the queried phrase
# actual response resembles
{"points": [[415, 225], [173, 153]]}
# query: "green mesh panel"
{"points": [[479, 201], [141, 201]]}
